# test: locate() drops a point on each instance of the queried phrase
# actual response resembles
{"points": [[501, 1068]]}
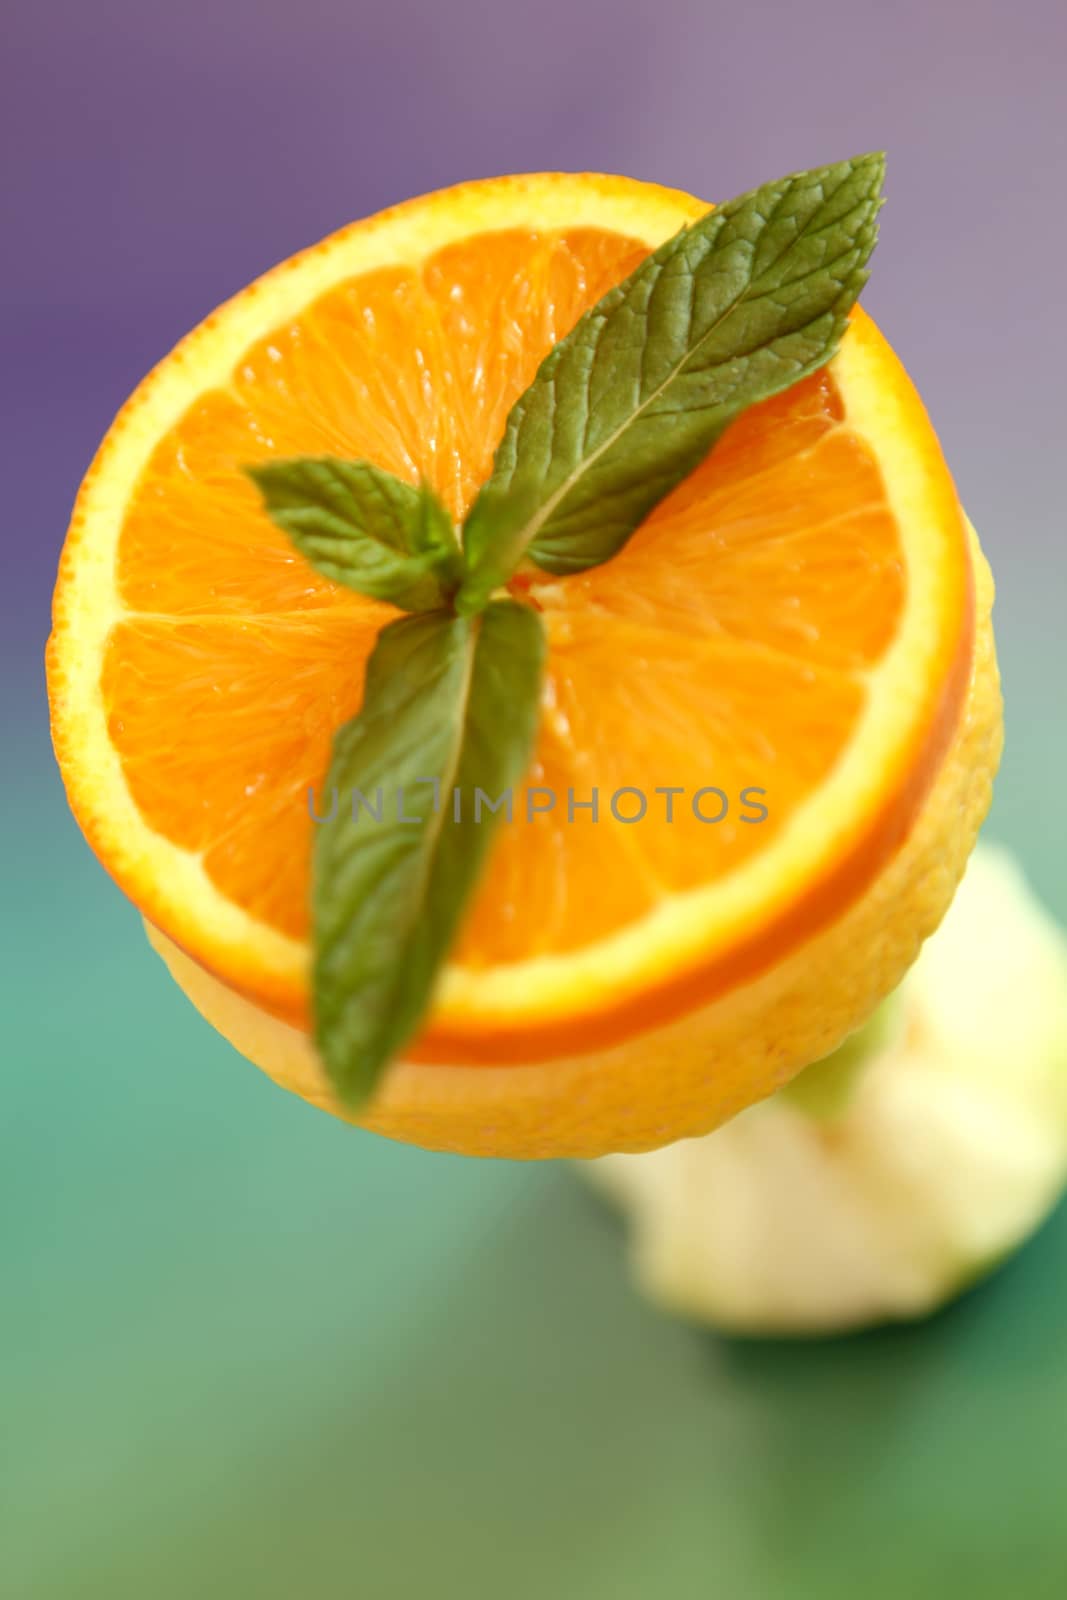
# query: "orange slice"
{"points": [[793, 631]]}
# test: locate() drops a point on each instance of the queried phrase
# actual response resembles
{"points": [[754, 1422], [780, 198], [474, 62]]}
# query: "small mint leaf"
{"points": [[730, 311], [451, 704], [361, 526]]}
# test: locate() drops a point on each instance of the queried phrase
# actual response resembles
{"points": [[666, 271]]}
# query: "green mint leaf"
{"points": [[729, 311], [365, 528], [451, 706]]}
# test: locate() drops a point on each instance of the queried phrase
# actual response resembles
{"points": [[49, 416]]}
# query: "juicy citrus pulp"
{"points": [[796, 618]]}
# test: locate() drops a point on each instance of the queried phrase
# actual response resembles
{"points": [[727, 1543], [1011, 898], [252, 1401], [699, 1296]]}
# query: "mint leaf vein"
{"points": [[730, 311]]}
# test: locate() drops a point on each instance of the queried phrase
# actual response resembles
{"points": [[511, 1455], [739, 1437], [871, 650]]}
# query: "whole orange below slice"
{"points": [[782, 692]]}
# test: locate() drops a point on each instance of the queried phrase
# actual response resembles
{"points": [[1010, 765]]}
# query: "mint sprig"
{"points": [[734, 309], [450, 709]]}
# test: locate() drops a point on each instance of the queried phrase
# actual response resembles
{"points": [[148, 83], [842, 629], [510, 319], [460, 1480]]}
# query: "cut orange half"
{"points": [[750, 714]]}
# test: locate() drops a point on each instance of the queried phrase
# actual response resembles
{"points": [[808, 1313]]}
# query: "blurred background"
{"points": [[246, 1351]]}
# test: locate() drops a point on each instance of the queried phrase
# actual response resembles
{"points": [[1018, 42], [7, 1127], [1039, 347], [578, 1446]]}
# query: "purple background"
{"points": [[247, 1351]]}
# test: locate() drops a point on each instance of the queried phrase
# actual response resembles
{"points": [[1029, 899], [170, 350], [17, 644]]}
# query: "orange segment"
{"points": [[256, 704], [795, 620]]}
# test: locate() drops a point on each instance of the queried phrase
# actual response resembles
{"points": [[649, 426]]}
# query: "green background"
{"points": [[246, 1352]]}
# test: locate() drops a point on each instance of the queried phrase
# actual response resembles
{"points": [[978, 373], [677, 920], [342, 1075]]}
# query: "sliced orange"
{"points": [[798, 618]]}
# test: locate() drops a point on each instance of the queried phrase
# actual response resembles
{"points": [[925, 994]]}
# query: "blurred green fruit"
{"points": [[888, 1177]]}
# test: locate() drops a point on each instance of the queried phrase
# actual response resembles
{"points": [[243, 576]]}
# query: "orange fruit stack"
{"points": [[806, 616]]}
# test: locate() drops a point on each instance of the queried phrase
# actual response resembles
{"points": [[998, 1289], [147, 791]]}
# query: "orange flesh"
{"points": [[725, 647]]}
